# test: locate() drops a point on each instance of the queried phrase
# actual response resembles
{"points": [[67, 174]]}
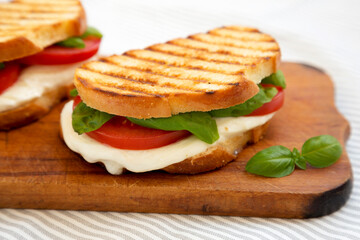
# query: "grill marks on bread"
{"points": [[204, 55], [184, 62], [111, 75], [23, 14], [238, 33], [28, 26], [169, 70], [210, 68], [227, 41], [219, 48]]}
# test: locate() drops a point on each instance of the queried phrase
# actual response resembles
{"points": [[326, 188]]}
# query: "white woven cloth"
{"points": [[323, 33]]}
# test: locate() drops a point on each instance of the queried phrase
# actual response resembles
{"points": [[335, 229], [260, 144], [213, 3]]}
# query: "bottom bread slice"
{"points": [[219, 155], [37, 89], [34, 109]]}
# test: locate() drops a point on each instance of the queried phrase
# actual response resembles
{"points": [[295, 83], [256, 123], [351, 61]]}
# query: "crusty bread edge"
{"points": [[25, 46], [34, 109], [219, 155], [155, 107]]}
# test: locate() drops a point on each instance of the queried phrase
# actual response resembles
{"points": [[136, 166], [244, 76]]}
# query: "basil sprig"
{"points": [[279, 161], [2, 65], [201, 124], [86, 119], [78, 42]]}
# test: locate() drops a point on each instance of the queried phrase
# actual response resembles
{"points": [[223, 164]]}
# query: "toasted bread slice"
{"points": [[199, 73], [28, 26]]}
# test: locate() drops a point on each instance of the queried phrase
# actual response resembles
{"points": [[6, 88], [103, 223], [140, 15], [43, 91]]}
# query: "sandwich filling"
{"points": [[24, 79], [115, 159], [33, 81]]}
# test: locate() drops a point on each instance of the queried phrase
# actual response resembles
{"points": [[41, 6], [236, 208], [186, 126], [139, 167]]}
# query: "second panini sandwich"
{"points": [[41, 44], [186, 106]]}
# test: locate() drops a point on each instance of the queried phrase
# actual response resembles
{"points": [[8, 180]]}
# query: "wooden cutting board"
{"points": [[38, 171]]}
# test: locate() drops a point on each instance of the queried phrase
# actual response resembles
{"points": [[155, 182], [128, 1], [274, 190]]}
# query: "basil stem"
{"points": [[278, 161]]}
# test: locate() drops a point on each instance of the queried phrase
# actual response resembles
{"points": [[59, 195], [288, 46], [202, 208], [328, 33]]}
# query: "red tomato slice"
{"points": [[275, 104], [121, 133], [8, 75], [55, 55]]}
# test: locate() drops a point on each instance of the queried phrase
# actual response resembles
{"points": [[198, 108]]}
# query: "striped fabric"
{"points": [[323, 33]]}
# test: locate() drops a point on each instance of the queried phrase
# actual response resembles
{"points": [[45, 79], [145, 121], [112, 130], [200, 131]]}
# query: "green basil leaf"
{"points": [[74, 93], [276, 79], [201, 124], [78, 42], [275, 161], [2, 65], [263, 96], [91, 31], [72, 42], [86, 119], [321, 151]]}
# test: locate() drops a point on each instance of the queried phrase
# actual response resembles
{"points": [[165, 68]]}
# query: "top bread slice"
{"points": [[28, 26], [203, 72]]}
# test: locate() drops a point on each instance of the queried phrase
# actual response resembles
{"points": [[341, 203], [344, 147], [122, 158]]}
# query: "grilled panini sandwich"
{"points": [[29, 87], [186, 106]]}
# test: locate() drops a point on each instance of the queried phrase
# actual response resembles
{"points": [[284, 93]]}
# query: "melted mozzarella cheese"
{"points": [[116, 159], [34, 81]]}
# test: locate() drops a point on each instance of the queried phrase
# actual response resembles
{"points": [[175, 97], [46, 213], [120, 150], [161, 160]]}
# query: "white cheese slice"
{"points": [[116, 159], [34, 81]]}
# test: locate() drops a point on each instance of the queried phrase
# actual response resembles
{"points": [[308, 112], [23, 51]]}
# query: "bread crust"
{"points": [[34, 109], [28, 38], [220, 155], [149, 107]]}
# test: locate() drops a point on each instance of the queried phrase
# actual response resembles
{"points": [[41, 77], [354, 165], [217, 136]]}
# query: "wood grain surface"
{"points": [[38, 171]]}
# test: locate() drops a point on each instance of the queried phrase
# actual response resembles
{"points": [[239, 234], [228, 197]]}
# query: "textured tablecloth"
{"points": [[325, 34]]}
